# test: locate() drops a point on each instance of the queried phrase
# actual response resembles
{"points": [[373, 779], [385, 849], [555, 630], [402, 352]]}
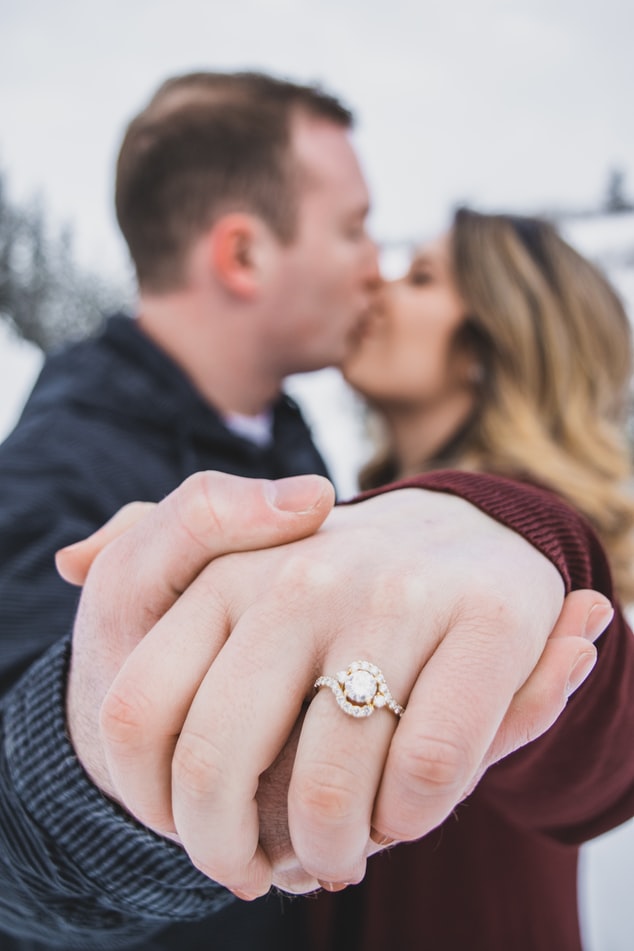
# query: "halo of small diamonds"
{"points": [[361, 689]]}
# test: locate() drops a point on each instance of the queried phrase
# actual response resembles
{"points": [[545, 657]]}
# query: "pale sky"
{"points": [[522, 104]]}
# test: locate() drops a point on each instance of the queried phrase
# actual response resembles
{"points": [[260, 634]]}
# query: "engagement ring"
{"points": [[361, 689]]}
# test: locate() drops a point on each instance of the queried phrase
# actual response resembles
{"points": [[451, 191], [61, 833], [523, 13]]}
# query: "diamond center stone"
{"points": [[360, 686]]}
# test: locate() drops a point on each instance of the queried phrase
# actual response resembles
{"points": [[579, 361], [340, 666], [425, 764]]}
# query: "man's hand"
{"points": [[392, 580], [136, 579]]}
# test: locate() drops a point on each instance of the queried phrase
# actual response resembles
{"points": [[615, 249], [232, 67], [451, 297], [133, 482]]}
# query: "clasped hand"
{"points": [[205, 621]]}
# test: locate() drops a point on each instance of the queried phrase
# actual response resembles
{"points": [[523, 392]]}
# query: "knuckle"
{"points": [[195, 509], [434, 766], [307, 573], [110, 594], [397, 592], [123, 717], [109, 563], [196, 767], [313, 586], [327, 793]]}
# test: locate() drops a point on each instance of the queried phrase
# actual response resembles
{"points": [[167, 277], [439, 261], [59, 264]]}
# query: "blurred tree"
{"points": [[616, 199], [45, 296]]}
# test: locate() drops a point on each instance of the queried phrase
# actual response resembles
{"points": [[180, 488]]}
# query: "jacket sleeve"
{"points": [[75, 872], [577, 780]]}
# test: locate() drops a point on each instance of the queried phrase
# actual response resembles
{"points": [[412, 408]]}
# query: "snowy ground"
{"points": [[607, 867]]}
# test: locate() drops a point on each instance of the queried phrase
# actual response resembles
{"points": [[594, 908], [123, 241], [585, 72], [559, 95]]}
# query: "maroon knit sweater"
{"points": [[501, 873]]}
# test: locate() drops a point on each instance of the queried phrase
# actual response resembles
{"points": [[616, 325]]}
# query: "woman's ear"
{"points": [[233, 253]]}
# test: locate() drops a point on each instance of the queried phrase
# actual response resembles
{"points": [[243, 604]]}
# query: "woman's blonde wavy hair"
{"points": [[552, 342]]}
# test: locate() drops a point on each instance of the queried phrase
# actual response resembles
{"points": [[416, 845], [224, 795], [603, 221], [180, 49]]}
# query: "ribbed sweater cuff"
{"points": [[133, 870]]}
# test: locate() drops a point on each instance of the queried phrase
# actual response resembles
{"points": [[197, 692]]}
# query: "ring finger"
{"points": [[338, 768]]}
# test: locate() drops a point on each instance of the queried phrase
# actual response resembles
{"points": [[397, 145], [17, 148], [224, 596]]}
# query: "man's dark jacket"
{"points": [[109, 421]]}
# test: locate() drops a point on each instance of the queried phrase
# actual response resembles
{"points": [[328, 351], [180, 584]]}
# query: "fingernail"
{"points": [[299, 494], [580, 670], [380, 839], [599, 616], [334, 886]]}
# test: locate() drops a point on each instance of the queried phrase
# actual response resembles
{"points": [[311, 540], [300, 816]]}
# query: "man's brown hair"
{"points": [[205, 144]]}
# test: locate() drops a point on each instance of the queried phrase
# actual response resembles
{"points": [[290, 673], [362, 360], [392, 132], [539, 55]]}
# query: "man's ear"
{"points": [[235, 253]]}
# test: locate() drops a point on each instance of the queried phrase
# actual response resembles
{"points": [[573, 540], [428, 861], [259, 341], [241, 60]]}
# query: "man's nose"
{"points": [[373, 274], [377, 289]]}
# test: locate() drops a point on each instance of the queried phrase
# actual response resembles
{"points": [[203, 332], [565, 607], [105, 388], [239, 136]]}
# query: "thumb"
{"points": [[308, 497], [585, 613], [148, 555], [565, 663]]}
